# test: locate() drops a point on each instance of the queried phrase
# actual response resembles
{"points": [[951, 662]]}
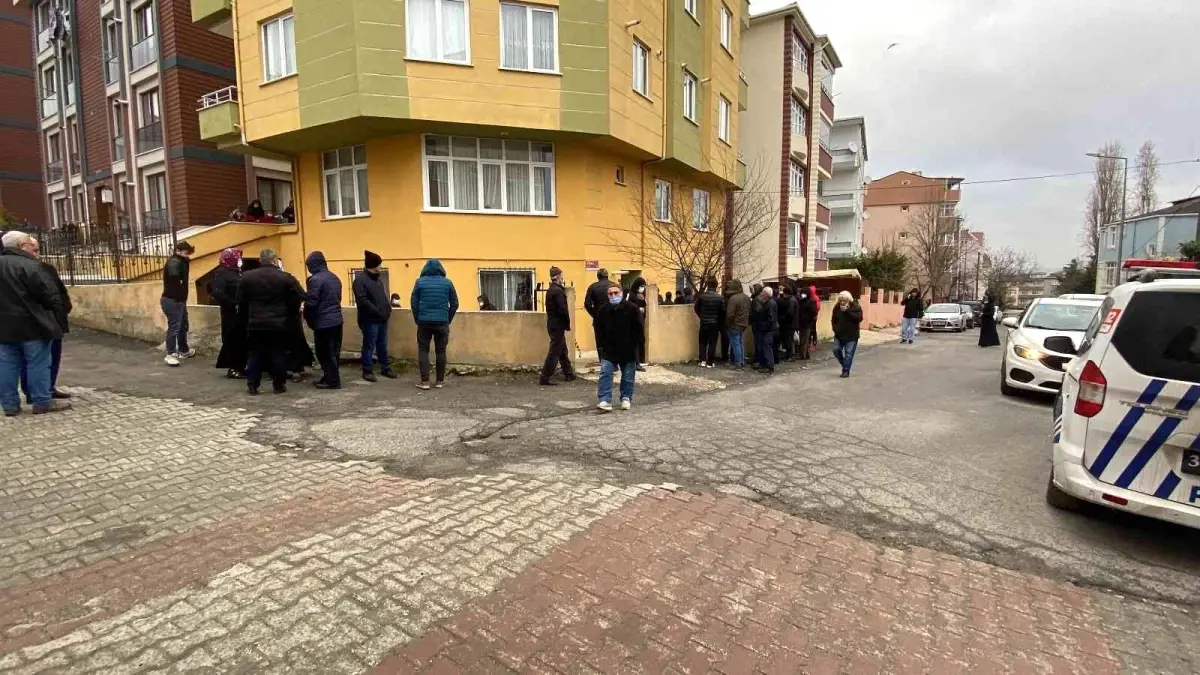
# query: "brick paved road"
{"points": [[143, 534]]}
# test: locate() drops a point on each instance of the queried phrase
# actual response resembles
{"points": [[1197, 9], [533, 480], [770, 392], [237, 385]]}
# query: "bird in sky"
{"points": [[894, 44]]}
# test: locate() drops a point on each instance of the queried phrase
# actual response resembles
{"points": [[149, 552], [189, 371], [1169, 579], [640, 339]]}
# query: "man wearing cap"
{"points": [[558, 322], [593, 301], [374, 310]]}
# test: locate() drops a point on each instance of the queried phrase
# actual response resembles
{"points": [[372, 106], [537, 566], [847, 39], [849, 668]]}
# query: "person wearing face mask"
{"points": [[485, 305], [619, 326], [225, 288], [558, 322]]}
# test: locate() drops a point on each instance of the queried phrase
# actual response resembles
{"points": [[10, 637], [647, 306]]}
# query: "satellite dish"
{"points": [[853, 147]]}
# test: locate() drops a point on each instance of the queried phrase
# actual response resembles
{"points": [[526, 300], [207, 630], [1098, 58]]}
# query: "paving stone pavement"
{"points": [[151, 535]]}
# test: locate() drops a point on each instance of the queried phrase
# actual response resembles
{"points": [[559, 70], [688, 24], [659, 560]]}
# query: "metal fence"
{"points": [[87, 253]]}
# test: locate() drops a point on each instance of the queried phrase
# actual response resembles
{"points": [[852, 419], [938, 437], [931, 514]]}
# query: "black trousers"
{"points": [[599, 350], [557, 355], [805, 336], [439, 333], [328, 342], [787, 341], [708, 342], [268, 349]]}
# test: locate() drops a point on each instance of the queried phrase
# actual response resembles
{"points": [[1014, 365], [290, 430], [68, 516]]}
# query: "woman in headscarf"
{"points": [[226, 289], [988, 336], [255, 212], [637, 296]]}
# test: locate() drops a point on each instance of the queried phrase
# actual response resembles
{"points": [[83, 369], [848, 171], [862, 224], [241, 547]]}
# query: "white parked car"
{"points": [[1126, 435], [944, 316], [1041, 342]]}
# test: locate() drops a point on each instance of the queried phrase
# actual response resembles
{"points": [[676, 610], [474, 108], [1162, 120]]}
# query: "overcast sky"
{"points": [[1005, 88]]}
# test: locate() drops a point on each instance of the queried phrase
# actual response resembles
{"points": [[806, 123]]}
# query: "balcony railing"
{"points": [[155, 222], [112, 69], [820, 254], [822, 214], [43, 40], [826, 160], [215, 98], [826, 103], [74, 163], [49, 105], [54, 171], [144, 53], [118, 149], [149, 137]]}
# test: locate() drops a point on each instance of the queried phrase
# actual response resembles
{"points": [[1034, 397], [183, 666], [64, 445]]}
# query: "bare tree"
{"points": [[697, 238], [934, 244], [1145, 187], [1009, 268], [1104, 200]]}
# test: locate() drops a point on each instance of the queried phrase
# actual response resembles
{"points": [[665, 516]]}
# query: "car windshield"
{"points": [[1061, 316], [944, 308]]}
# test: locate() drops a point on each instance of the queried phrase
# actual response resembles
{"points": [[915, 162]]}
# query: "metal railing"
{"points": [[43, 40], [69, 94], [215, 98], [155, 222], [112, 69], [149, 137], [144, 53], [54, 171], [121, 251], [49, 105]]}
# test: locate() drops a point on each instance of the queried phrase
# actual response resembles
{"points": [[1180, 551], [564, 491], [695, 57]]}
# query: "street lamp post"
{"points": [[1124, 191]]}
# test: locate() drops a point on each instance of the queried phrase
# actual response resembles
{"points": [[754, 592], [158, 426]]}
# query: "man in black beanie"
{"points": [[558, 322], [374, 310]]}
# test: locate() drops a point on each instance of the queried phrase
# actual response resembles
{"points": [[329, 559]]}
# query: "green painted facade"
{"points": [[685, 45], [583, 55], [209, 13]]}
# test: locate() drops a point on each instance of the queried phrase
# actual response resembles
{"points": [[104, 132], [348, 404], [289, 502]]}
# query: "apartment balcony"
{"points": [[739, 177], [845, 159], [840, 249], [209, 13], [800, 84], [219, 121], [49, 106], [799, 147], [69, 95], [797, 207], [825, 163], [826, 104], [54, 171], [143, 53], [823, 215], [42, 41], [150, 137], [954, 195], [74, 163], [841, 203], [112, 69], [743, 91], [155, 221], [745, 14]]}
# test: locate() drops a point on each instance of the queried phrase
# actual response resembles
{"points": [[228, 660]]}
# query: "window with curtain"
{"points": [[438, 30], [504, 288], [796, 182], [723, 113], [143, 22], [488, 175], [799, 55], [689, 95], [279, 48], [662, 201], [700, 213], [799, 118], [726, 28], [793, 239], [641, 68], [528, 37], [274, 194], [156, 192], [345, 184]]}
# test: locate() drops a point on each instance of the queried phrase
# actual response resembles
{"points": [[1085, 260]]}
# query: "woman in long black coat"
{"points": [[226, 289], [988, 336]]}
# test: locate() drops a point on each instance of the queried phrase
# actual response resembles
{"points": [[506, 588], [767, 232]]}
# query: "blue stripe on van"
{"points": [[1125, 427], [1168, 485], [1157, 439]]}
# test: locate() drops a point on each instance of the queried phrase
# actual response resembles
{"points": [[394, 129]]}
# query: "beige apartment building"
{"points": [[889, 202], [785, 137]]}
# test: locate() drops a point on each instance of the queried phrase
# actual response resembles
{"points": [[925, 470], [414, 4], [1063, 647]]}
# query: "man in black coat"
{"points": [[558, 322], [764, 316], [30, 308], [847, 317], [56, 346], [710, 307], [620, 328], [271, 296], [174, 303], [806, 320], [788, 311], [593, 301]]}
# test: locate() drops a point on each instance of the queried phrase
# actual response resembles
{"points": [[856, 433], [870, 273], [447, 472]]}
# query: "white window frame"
{"points": [[826, 75], [793, 239], [480, 161], [149, 180], [799, 118], [690, 87], [529, 11], [282, 29], [726, 28], [1110, 237], [149, 102], [355, 167], [821, 241], [507, 272], [724, 113], [689, 6], [799, 55], [948, 209], [662, 200], [641, 68], [796, 178], [700, 205], [143, 21], [439, 48]]}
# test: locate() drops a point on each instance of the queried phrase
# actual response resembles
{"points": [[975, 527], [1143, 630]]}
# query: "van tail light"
{"points": [[1092, 387]]}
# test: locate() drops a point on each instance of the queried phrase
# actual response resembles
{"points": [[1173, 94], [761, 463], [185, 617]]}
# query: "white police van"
{"points": [[1125, 432]]}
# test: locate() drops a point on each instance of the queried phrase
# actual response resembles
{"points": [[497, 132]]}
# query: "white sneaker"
{"points": [[604, 406], [171, 360], [702, 364], [187, 355], [625, 404]]}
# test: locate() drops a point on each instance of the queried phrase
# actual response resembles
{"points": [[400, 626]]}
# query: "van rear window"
{"points": [[1159, 334]]}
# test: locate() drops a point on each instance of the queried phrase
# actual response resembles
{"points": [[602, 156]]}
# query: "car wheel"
{"points": [[1005, 388], [1059, 499]]}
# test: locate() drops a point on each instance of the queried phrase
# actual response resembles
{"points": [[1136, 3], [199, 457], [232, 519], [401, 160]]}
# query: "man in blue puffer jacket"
{"points": [[434, 303], [323, 312]]}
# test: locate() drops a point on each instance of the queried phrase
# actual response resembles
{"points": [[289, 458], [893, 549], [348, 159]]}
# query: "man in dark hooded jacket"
{"points": [[323, 311], [558, 323], [709, 306], [271, 296], [764, 316], [593, 300], [806, 320], [434, 303], [374, 310], [787, 322]]}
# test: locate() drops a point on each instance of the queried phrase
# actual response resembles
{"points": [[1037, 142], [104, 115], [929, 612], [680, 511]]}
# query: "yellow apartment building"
{"points": [[499, 137]]}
